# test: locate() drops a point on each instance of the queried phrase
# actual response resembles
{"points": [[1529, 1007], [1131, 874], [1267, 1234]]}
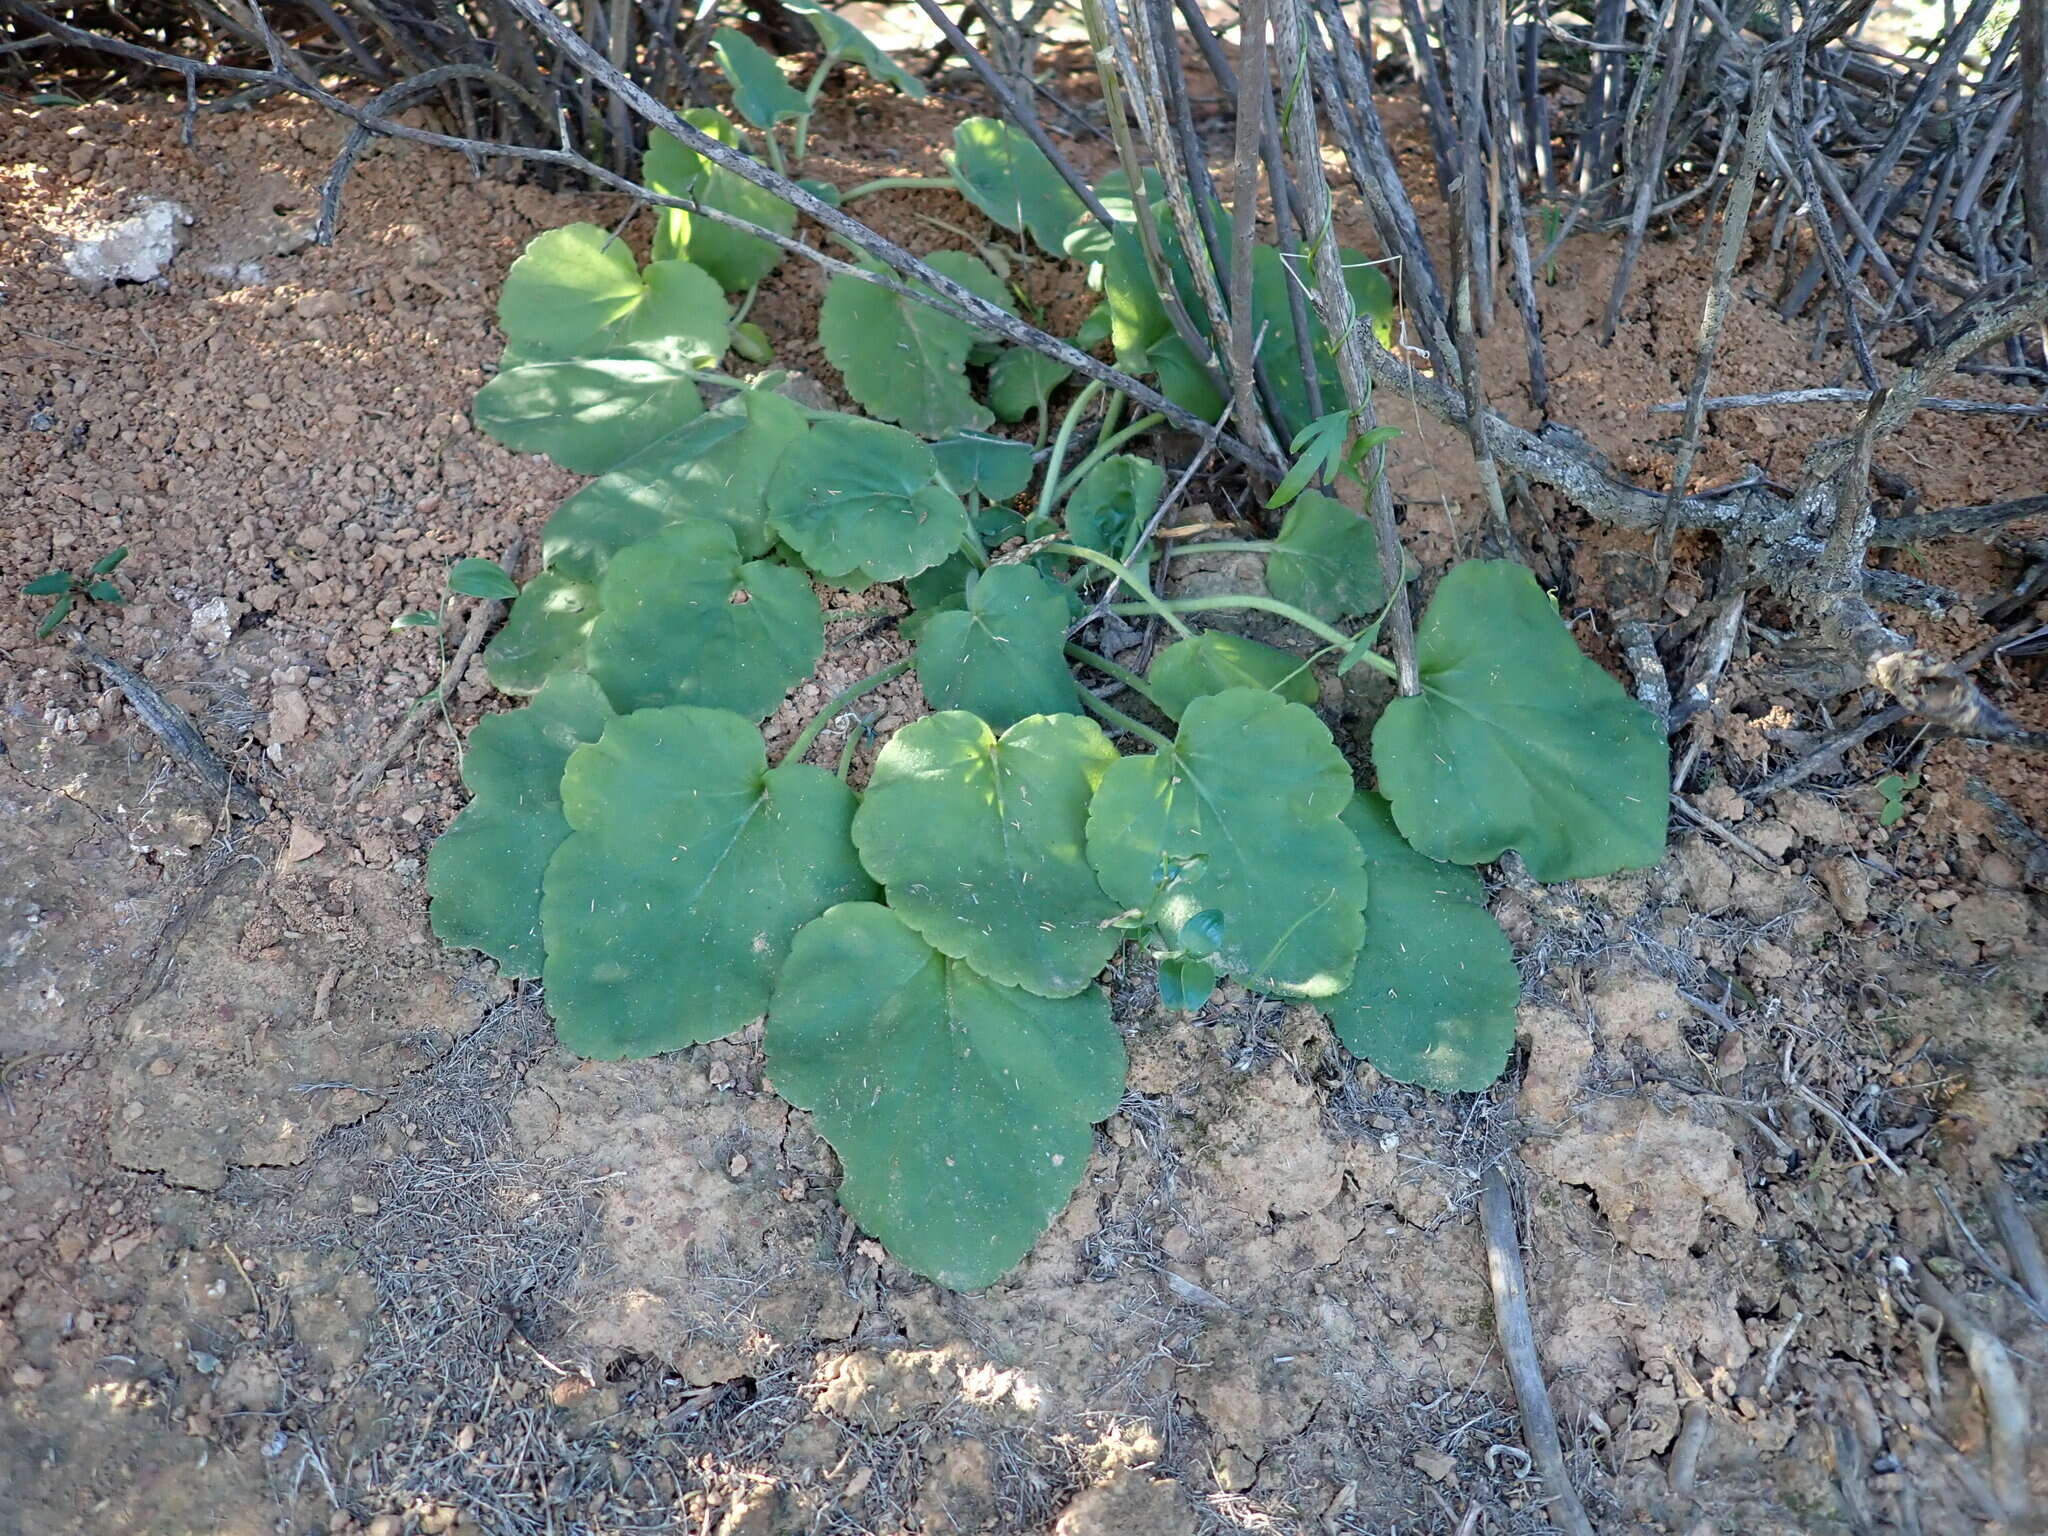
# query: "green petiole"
{"points": [[824, 717]]}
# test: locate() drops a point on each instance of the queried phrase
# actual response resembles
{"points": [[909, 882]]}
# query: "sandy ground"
{"points": [[307, 1225]]}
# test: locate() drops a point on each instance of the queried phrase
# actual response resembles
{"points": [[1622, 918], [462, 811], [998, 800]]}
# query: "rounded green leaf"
{"points": [[684, 620], [857, 501], [905, 361], [715, 467], [1110, 507], [960, 1109], [484, 874], [476, 577], [544, 633], [1241, 818], [1213, 661], [577, 292], [842, 39], [1326, 561], [1006, 176], [1185, 985], [690, 864], [1518, 740], [760, 91], [1433, 1000], [735, 259], [589, 413], [980, 845], [1020, 382], [996, 467], [1003, 656]]}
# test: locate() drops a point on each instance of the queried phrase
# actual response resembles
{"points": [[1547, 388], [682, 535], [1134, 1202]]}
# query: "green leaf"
{"points": [[1110, 507], [1433, 1000], [689, 866], [943, 586], [110, 561], [1004, 656], [1001, 172], [842, 39], [735, 259], [760, 91], [997, 467], [751, 342], [823, 191], [103, 592], [484, 874], [1185, 985], [960, 1109], [49, 584], [904, 361], [979, 844], [58, 613], [576, 292], [417, 619], [1326, 561], [1021, 381], [685, 621], [857, 501], [1517, 740], [1094, 330], [589, 414], [544, 633], [1316, 449], [474, 577], [1241, 817], [1213, 661], [716, 466]]}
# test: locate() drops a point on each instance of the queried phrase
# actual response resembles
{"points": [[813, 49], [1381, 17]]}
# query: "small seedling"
{"points": [[95, 586], [1895, 787]]}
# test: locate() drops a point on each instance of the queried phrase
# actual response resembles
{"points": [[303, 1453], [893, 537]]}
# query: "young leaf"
{"points": [[751, 342], [1021, 381], [1185, 985], [1316, 448], [716, 466], [840, 38], [1001, 172], [905, 361], [1110, 507], [735, 259], [474, 577], [49, 584], [576, 292], [1213, 661], [1433, 1000], [1241, 817], [1004, 655], [103, 592], [760, 91], [978, 843], [960, 1110], [689, 865], [417, 619], [110, 561], [544, 633], [589, 414], [1518, 740], [685, 621], [1326, 561], [997, 467], [856, 499], [59, 612], [484, 874]]}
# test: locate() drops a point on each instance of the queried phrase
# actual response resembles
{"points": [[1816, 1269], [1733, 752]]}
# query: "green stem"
{"points": [[1103, 450], [972, 545], [1108, 668], [1228, 547], [1130, 578], [775, 159], [1060, 444], [1124, 722], [1272, 605], [809, 735], [895, 184], [817, 80], [747, 303]]}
